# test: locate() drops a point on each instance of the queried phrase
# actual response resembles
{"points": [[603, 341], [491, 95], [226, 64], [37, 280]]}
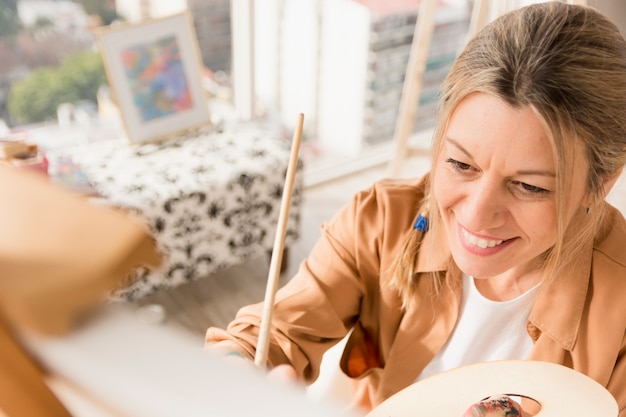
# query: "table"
{"points": [[210, 197]]}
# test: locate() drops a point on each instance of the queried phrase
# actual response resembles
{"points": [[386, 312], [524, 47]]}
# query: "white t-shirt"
{"points": [[486, 330]]}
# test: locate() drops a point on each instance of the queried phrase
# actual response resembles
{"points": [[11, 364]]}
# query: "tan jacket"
{"points": [[578, 320]]}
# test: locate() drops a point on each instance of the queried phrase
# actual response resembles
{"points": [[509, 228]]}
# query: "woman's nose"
{"points": [[484, 206]]}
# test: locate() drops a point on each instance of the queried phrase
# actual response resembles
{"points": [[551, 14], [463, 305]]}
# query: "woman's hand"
{"points": [[283, 373]]}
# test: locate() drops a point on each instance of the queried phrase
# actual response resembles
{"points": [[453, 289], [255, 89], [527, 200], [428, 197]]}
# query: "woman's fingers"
{"points": [[283, 373]]}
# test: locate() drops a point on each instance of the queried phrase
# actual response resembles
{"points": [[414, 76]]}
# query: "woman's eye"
{"points": [[532, 189], [458, 165]]}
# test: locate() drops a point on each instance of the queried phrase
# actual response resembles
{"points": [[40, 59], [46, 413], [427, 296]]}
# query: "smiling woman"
{"points": [[497, 198], [522, 258]]}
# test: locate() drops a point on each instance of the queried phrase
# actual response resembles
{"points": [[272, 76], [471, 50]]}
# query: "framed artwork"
{"points": [[154, 72]]}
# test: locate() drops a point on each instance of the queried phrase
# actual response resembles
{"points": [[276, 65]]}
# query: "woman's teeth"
{"points": [[482, 243]]}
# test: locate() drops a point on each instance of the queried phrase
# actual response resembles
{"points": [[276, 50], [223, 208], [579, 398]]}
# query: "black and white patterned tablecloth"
{"points": [[211, 198]]}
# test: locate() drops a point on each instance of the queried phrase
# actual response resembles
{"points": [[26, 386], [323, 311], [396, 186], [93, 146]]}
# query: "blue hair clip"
{"points": [[421, 224]]}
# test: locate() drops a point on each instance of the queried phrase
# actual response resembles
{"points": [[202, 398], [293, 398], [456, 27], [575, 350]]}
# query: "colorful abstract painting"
{"points": [[156, 78]]}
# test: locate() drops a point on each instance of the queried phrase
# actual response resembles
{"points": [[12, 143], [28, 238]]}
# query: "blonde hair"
{"points": [[568, 63]]}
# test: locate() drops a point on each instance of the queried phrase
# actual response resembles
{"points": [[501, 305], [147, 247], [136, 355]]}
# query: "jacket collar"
{"points": [[560, 303]]}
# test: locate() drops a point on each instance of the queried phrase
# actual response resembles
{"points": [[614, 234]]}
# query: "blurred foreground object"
{"points": [[60, 256], [554, 390], [127, 367]]}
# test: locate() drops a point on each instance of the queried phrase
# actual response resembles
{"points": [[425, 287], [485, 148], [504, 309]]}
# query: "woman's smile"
{"points": [[482, 245], [480, 241]]}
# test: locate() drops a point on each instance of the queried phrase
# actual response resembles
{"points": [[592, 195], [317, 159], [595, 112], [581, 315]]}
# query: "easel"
{"points": [[411, 89]]}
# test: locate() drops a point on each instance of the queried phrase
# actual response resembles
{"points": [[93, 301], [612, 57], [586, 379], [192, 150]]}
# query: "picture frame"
{"points": [[154, 73]]}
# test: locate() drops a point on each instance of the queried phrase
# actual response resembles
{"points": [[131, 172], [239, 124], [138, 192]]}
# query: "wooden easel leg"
{"points": [[412, 87]]}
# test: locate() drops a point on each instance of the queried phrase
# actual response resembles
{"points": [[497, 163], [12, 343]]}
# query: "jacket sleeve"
{"points": [[321, 303]]}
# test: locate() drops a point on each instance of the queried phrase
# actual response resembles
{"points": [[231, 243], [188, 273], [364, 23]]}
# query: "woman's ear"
{"points": [[610, 182], [607, 186]]}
